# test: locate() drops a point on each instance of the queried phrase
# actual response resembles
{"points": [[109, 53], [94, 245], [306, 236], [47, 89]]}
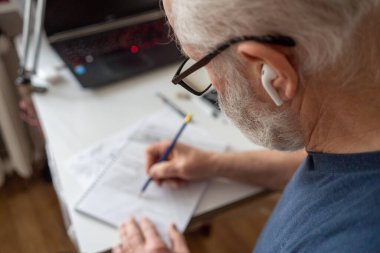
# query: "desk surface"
{"points": [[74, 118]]}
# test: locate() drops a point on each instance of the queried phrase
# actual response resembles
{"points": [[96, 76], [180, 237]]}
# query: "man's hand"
{"points": [[144, 238], [184, 163]]}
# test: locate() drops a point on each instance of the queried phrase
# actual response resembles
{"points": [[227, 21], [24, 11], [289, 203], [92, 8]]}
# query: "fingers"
{"points": [[117, 249], [175, 183], [164, 170], [149, 231], [139, 238], [178, 240], [123, 235], [154, 152], [158, 182], [153, 240], [133, 231]]}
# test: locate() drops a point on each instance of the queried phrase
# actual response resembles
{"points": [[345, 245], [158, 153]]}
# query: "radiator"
{"points": [[13, 131]]}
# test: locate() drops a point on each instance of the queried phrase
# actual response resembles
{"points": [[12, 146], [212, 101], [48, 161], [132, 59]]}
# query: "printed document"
{"points": [[115, 194]]}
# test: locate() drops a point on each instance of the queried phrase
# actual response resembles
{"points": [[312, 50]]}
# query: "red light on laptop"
{"points": [[134, 49]]}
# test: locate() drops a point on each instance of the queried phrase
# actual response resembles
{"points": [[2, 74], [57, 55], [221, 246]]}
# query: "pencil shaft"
{"points": [[146, 184], [165, 156]]}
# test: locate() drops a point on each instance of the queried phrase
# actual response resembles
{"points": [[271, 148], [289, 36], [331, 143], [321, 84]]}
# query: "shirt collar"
{"points": [[345, 162]]}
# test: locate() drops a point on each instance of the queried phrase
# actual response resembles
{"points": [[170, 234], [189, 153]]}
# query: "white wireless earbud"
{"points": [[267, 76]]}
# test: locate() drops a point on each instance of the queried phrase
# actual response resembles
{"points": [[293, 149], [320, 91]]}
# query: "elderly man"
{"points": [[292, 75]]}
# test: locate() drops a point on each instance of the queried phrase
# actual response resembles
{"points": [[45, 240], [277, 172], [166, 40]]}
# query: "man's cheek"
{"points": [[216, 82]]}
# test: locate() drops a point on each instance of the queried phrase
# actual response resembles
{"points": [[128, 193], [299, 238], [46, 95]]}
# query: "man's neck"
{"points": [[347, 119]]}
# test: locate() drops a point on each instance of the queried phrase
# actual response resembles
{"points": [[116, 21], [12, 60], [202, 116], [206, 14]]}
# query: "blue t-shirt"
{"points": [[332, 204]]}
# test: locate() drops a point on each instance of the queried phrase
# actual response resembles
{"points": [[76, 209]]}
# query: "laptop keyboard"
{"points": [[107, 57]]}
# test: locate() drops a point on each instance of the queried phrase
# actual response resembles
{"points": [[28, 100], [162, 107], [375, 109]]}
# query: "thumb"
{"points": [[163, 170], [178, 240]]}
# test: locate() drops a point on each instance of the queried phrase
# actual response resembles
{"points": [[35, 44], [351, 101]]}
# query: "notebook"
{"points": [[114, 195]]}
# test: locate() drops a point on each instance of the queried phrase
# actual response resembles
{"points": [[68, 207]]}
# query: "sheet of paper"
{"points": [[165, 124], [114, 196], [88, 164]]}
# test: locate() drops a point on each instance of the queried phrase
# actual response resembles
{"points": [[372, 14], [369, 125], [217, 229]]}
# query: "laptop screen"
{"points": [[64, 15]]}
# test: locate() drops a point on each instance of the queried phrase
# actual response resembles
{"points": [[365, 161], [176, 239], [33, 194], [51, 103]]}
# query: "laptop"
{"points": [[106, 41]]}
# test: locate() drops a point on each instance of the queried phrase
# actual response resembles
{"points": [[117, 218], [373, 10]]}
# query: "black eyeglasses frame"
{"points": [[267, 39]]}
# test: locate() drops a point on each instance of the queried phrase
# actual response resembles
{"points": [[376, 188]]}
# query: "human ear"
{"points": [[285, 80]]}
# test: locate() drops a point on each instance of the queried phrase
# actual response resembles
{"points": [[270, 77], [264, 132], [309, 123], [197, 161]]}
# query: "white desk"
{"points": [[73, 119]]}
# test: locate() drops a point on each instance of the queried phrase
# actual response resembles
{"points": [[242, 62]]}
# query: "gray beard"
{"points": [[259, 121]]}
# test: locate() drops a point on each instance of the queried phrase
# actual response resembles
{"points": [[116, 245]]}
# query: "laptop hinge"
{"points": [[98, 28]]}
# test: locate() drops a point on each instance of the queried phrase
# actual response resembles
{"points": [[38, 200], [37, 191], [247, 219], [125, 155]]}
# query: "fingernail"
{"points": [[174, 227]]}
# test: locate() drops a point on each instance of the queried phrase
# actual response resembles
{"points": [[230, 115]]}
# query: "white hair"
{"points": [[331, 35], [319, 27]]}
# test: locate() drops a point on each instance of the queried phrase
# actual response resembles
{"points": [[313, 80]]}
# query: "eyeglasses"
{"points": [[192, 75]]}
